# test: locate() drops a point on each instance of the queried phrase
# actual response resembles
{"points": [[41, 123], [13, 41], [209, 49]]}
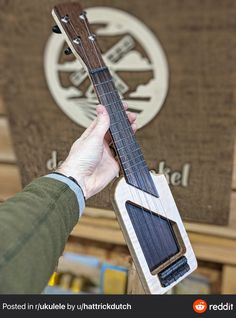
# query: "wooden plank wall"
{"points": [[10, 176], [9, 172]]}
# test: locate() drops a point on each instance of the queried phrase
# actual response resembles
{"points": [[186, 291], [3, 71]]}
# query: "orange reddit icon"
{"points": [[199, 306]]}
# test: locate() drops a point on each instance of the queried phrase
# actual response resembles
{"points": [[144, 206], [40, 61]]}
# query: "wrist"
{"points": [[74, 177]]}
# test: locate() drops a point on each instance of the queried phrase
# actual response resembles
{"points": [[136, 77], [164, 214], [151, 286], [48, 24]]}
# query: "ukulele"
{"points": [[142, 200]]}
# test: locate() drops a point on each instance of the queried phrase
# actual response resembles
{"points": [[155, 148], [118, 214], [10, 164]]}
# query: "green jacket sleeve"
{"points": [[34, 227]]}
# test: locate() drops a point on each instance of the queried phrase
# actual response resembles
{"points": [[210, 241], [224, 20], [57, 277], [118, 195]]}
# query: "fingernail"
{"points": [[100, 110]]}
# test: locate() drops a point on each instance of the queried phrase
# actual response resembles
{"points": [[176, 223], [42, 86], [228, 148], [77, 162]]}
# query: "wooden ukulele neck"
{"points": [[131, 159]]}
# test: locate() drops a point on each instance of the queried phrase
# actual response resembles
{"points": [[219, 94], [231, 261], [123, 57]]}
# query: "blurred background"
{"points": [[173, 61]]}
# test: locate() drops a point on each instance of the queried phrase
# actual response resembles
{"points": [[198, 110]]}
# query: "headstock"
{"points": [[73, 23]]}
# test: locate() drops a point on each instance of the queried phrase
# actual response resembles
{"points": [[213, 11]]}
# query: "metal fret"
{"points": [[118, 132], [112, 91], [113, 103], [118, 149], [141, 168], [127, 147], [133, 162], [133, 142], [133, 158], [134, 165], [102, 83], [108, 99], [114, 123]]}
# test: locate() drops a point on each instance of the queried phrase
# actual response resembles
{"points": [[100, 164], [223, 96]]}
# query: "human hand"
{"points": [[90, 161]]}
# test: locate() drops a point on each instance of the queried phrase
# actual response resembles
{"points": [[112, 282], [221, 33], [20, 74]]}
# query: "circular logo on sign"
{"points": [[135, 58], [199, 306]]}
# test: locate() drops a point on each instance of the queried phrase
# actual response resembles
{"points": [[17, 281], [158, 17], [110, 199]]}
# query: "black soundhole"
{"points": [[155, 235]]}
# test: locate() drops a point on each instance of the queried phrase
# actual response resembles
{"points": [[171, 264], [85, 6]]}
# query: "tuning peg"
{"points": [[68, 51], [65, 19], [82, 15], [92, 37], [56, 29]]}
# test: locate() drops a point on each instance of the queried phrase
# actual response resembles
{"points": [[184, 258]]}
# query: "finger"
{"points": [[134, 127], [125, 105], [102, 123], [132, 117]]}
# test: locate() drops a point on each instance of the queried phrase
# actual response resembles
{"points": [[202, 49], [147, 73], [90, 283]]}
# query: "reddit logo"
{"points": [[199, 306]]}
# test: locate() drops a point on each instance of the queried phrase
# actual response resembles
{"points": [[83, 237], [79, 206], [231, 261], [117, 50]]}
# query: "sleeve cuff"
{"points": [[73, 186]]}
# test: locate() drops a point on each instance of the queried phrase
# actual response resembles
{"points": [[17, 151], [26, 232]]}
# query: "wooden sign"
{"points": [[172, 61]]}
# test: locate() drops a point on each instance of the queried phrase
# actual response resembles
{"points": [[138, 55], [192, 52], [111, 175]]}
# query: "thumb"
{"points": [[102, 122]]}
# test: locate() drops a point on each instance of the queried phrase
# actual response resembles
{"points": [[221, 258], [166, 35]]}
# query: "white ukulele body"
{"points": [[164, 206]]}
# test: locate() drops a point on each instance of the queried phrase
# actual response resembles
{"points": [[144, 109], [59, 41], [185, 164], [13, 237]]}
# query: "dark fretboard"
{"points": [[132, 162]]}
